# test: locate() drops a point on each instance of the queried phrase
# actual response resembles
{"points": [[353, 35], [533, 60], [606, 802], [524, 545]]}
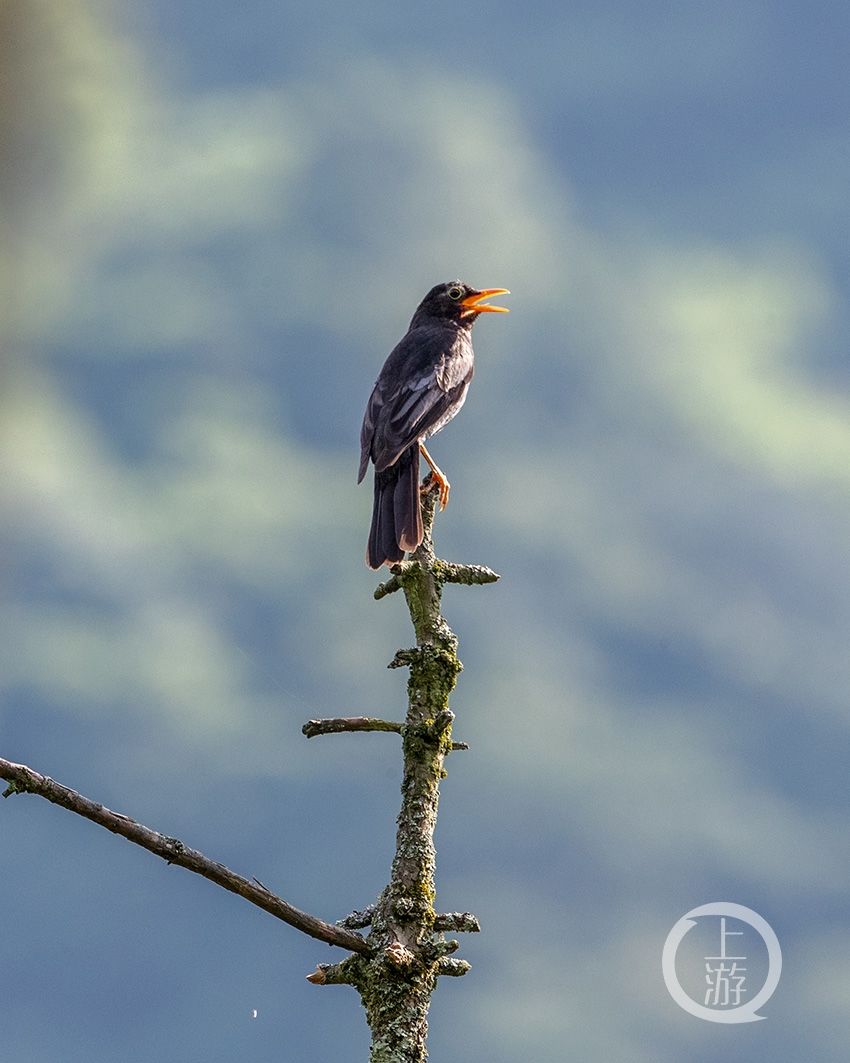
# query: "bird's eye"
{"points": [[455, 292]]}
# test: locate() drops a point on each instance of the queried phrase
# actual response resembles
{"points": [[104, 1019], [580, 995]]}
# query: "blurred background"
{"points": [[217, 219]]}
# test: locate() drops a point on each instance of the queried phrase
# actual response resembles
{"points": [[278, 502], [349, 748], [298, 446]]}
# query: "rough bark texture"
{"points": [[23, 780], [410, 951]]}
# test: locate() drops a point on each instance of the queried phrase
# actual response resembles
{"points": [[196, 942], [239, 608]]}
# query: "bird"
{"points": [[422, 385]]}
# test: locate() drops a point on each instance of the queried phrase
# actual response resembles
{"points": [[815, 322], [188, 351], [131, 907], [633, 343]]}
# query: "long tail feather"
{"points": [[396, 516]]}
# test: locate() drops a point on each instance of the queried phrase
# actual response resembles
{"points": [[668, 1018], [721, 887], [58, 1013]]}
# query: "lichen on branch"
{"points": [[409, 951]]}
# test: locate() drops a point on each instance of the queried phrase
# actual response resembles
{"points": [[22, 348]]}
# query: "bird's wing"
{"points": [[424, 376]]}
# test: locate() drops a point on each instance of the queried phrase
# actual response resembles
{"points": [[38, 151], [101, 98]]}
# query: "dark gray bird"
{"points": [[421, 387]]}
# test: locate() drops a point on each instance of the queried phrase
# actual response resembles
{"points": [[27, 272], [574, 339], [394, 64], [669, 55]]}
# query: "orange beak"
{"points": [[472, 304]]}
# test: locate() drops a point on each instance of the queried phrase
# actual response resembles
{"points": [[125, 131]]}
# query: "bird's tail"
{"points": [[396, 517]]}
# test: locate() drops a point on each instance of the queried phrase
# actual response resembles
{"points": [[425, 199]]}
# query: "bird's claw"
{"points": [[444, 488], [437, 479]]}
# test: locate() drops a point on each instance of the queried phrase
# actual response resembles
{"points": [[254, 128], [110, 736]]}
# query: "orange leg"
{"points": [[439, 477]]}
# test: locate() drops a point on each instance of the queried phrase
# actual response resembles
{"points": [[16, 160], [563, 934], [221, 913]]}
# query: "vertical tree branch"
{"points": [[397, 980]]}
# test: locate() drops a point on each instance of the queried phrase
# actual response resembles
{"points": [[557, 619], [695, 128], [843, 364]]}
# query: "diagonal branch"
{"points": [[22, 779]]}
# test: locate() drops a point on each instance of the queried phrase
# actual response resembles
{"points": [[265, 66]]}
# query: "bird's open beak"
{"points": [[473, 304]]}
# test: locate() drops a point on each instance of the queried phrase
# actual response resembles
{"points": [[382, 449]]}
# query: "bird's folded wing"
{"points": [[418, 386]]}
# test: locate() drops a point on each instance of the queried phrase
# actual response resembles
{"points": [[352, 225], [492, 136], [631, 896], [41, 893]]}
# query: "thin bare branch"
{"points": [[341, 724], [348, 723], [22, 779]]}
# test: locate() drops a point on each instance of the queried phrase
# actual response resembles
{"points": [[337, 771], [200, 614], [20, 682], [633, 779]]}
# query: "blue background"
{"points": [[217, 219]]}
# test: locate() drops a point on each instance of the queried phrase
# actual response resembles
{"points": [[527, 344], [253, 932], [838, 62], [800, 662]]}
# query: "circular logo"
{"points": [[726, 972]]}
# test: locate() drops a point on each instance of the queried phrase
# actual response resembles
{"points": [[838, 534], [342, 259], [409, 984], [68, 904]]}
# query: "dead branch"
{"points": [[23, 780]]}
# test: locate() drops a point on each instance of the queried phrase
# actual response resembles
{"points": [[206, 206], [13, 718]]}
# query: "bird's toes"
{"points": [[437, 479]]}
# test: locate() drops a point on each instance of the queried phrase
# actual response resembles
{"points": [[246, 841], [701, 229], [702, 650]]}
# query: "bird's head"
{"points": [[458, 302]]}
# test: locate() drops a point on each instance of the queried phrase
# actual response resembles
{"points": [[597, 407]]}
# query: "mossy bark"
{"points": [[397, 1000], [407, 953]]}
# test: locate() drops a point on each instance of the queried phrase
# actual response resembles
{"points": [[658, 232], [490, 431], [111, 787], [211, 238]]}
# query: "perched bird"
{"points": [[421, 387]]}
